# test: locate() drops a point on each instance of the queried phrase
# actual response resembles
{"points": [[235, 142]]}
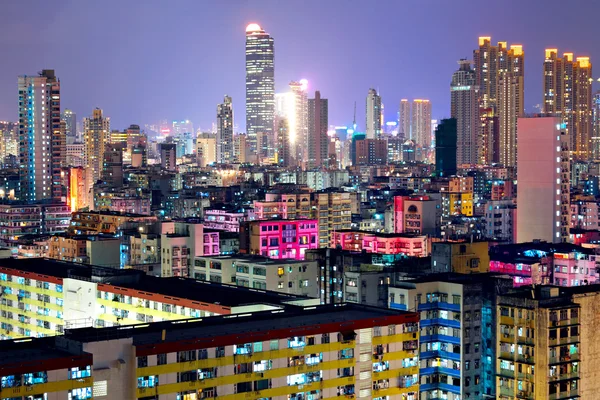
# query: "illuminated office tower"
{"points": [[317, 131], [373, 115], [421, 123], [404, 120], [568, 95], [42, 150], [499, 73], [260, 88], [225, 131], [96, 136], [284, 145], [298, 119], [464, 107], [70, 119], [543, 197], [596, 126]]}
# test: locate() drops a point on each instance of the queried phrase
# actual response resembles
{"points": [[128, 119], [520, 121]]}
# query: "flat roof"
{"points": [[244, 326], [184, 288], [256, 259], [112, 213], [454, 277], [380, 234]]}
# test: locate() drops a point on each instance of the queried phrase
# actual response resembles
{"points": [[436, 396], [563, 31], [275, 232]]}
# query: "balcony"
{"points": [[564, 377], [440, 338], [440, 370], [438, 305], [525, 340], [564, 395], [440, 354], [563, 359], [440, 386], [564, 340], [506, 391], [440, 321]]}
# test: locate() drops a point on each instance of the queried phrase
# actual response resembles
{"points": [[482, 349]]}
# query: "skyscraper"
{"points": [[421, 123], [70, 119], [543, 197], [404, 120], [317, 131], [298, 120], [96, 136], [373, 115], [568, 95], [499, 73], [42, 143], [260, 87], [464, 108], [225, 131], [283, 143], [446, 151]]}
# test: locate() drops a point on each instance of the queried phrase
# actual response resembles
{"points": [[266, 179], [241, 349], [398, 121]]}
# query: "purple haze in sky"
{"points": [[142, 61]]}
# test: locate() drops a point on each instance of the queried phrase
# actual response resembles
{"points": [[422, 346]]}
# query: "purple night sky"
{"points": [[142, 61]]}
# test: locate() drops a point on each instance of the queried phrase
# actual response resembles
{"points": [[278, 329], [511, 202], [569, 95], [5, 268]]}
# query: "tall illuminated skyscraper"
{"points": [[373, 115], [298, 120], [568, 95], [284, 156], [499, 73], [464, 107], [260, 89], [404, 120], [42, 143], [317, 131], [421, 123], [225, 131], [96, 136]]}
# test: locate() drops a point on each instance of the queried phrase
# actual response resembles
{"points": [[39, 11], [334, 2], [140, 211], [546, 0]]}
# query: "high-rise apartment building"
{"points": [[206, 149], [225, 131], [404, 120], [464, 107], [96, 138], [499, 73], [168, 156], [543, 198], [317, 131], [421, 123], [260, 87], [42, 143], [568, 95], [70, 119], [373, 115], [112, 164], [240, 148]]}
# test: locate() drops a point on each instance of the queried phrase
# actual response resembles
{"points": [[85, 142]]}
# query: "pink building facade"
{"points": [[280, 239], [223, 220], [381, 243], [560, 269]]}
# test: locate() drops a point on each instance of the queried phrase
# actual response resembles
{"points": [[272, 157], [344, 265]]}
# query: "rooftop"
{"points": [[256, 259], [183, 288], [381, 234], [112, 213], [243, 326]]}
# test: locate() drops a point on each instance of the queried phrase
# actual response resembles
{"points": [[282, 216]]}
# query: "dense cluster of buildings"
{"points": [[416, 260]]}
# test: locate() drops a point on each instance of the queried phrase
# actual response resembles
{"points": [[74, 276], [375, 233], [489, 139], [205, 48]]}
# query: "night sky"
{"points": [[142, 61]]}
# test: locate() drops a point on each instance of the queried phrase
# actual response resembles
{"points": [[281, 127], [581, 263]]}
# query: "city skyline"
{"points": [[328, 68]]}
